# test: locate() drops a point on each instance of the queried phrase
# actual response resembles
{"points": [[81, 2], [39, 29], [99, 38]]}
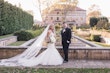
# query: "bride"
{"points": [[30, 56]]}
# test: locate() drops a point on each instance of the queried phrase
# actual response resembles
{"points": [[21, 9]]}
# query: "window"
{"points": [[57, 12], [81, 18], [51, 18], [57, 18]]}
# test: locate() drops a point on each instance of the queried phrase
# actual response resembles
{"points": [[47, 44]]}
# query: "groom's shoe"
{"points": [[65, 61]]}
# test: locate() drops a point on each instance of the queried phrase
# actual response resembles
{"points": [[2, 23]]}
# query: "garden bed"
{"points": [[18, 43]]}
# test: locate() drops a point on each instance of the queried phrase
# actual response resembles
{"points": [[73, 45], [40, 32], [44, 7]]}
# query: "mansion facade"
{"points": [[76, 16]]}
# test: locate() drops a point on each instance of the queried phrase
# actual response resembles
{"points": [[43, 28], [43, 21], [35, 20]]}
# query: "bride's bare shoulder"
{"points": [[49, 31]]}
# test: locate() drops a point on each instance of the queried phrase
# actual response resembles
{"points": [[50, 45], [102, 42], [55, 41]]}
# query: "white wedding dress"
{"points": [[29, 57], [48, 57]]}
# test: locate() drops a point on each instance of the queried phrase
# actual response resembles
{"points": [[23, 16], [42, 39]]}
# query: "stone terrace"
{"points": [[79, 57], [82, 64]]}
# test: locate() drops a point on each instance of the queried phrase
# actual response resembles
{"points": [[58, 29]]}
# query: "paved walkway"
{"points": [[82, 64], [79, 64]]}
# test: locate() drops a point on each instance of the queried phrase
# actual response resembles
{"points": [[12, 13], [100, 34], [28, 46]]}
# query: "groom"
{"points": [[66, 40]]}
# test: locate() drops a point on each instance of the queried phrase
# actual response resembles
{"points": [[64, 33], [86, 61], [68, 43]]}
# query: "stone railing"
{"points": [[28, 42], [85, 41], [87, 53], [8, 40]]}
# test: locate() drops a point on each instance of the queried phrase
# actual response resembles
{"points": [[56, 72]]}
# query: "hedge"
{"points": [[23, 35], [95, 38], [13, 18]]}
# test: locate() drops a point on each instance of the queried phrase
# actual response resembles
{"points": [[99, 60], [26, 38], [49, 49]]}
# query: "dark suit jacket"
{"points": [[66, 36]]}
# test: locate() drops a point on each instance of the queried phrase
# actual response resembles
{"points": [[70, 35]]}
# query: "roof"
{"points": [[79, 9], [58, 7]]}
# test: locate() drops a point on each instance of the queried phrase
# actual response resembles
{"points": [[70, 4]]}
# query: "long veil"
{"points": [[29, 53]]}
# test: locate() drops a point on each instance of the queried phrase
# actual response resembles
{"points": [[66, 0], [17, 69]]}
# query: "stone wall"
{"points": [[8, 40], [10, 51], [88, 53]]}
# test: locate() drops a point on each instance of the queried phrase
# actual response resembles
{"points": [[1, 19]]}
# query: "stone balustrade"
{"points": [[95, 52], [88, 53], [85, 41], [8, 40]]}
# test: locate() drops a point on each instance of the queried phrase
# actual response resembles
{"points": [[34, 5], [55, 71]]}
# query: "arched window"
{"points": [[57, 12], [57, 18], [81, 18], [51, 18]]}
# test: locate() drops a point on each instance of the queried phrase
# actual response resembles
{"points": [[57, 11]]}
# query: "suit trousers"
{"points": [[65, 50]]}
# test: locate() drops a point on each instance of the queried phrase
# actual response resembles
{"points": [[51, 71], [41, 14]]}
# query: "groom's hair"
{"points": [[64, 22]]}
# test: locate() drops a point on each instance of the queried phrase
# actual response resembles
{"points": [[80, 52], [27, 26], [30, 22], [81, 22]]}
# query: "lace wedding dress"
{"points": [[29, 57]]}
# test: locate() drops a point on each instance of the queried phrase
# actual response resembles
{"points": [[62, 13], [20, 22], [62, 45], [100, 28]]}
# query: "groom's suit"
{"points": [[66, 40]]}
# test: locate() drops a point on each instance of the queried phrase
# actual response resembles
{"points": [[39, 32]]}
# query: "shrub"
{"points": [[36, 32], [35, 27], [57, 26], [95, 38], [86, 26], [23, 35]]}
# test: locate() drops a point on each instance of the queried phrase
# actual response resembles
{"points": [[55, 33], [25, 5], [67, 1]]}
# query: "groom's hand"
{"points": [[68, 41]]}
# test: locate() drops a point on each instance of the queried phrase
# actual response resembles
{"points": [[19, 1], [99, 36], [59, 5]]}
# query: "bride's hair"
{"points": [[52, 28]]}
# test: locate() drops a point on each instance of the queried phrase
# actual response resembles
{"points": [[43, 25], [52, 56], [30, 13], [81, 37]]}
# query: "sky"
{"points": [[103, 5], [84, 4]]}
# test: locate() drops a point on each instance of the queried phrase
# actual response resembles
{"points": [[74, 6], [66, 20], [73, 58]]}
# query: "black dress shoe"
{"points": [[65, 61]]}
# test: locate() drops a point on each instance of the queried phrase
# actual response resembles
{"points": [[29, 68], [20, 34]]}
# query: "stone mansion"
{"points": [[74, 15]]}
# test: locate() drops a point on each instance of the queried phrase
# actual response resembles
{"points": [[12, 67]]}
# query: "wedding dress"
{"points": [[48, 57], [29, 57]]}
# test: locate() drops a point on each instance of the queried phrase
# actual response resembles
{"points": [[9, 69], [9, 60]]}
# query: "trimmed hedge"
{"points": [[95, 38], [13, 18], [23, 35]]}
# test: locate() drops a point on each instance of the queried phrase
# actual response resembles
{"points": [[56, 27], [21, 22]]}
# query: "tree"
{"points": [[43, 4], [13, 18], [102, 23], [1, 19], [93, 21], [63, 5], [93, 11]]}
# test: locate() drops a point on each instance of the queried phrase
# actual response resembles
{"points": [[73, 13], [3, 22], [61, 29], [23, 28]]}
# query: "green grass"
{"points": [[18, 43], [4, 36], [36, 32], [52, 70]]}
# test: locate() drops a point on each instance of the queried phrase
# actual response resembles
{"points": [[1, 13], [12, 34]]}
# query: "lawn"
{"points": [[4, 36], [18, 43], [51, 70]]}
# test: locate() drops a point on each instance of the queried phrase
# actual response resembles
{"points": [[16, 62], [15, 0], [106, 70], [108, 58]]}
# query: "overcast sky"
{"points": [[84, 4], [103, 5]]}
